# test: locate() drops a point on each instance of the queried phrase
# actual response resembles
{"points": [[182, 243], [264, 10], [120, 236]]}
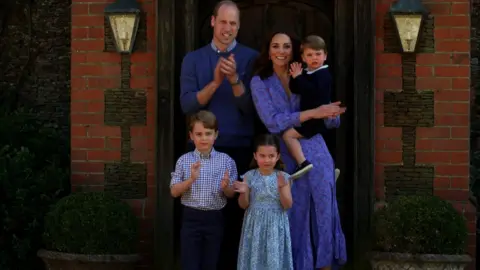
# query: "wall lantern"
{"points": [[408, 16], [123, 17]]}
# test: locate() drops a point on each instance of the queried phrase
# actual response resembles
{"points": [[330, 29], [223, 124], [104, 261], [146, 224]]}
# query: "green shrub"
{"points": [[91, 223], [23, 128], [27, 192], [34, 174], [420, 225]]}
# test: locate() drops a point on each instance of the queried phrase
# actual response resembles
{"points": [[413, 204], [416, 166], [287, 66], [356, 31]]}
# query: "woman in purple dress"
{"points": [[317, 238]]}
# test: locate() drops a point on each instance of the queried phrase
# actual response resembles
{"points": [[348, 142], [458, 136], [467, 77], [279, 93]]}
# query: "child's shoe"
{"points": [[337, 174], [301, 170]]}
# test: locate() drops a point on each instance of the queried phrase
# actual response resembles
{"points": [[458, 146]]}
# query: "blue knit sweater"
{"points": [[235, 115]]}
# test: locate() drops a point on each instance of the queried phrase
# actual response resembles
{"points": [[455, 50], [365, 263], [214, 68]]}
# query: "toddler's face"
{"points": [[314, 58]]}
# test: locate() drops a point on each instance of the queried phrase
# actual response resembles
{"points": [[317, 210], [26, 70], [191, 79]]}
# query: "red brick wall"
{"points": [[446, 71], [444, 145], [92, 72]]}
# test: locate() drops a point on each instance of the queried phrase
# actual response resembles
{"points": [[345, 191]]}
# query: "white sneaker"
{"points": [[337, 174]]}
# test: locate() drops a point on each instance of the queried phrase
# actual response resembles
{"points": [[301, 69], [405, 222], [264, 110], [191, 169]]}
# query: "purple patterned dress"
{"points": [[317, 237]]}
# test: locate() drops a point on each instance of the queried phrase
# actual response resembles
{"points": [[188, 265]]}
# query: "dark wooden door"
{"points": [[331, 19], [260, 18], [348, 26]]}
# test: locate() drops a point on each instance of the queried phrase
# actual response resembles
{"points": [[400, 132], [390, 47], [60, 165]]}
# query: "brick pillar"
{"points": [[112, 112], [422, 109]]}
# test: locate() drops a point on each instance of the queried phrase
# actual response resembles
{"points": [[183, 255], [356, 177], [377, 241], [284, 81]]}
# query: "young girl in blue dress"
{"points": [[266, 197]]}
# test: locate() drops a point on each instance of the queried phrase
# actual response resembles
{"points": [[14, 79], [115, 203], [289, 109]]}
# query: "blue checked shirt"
{"points": [[205, 193]]}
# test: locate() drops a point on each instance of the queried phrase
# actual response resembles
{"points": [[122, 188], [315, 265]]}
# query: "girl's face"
{"points": [[280, 51], [266, 156]]}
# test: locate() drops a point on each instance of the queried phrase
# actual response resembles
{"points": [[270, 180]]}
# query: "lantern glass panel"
{"points": [[408, 27], [123, 27]]}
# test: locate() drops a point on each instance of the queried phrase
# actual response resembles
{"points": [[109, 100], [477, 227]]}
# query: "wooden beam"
{"points": [[343, 72], [165, 82], [364, 96]]}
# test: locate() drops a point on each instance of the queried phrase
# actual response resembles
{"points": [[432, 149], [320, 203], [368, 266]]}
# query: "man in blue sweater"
{"points": [[216, 78]]}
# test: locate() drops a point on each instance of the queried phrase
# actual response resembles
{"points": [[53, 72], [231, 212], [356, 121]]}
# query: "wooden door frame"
{"points": [[362, 19]]}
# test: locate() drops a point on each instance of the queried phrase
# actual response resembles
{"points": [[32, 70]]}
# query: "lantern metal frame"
{"points": [[409, 17]]}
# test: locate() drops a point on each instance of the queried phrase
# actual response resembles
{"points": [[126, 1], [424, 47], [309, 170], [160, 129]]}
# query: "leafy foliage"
{"points": [[33, 175], [475, 173], [34, 153], [420, 225], [475, 111], [91, 223], [22, 128]]}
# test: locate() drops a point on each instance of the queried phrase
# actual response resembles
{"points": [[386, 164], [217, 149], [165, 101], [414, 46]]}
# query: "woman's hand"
{"points": [[328, 110]]}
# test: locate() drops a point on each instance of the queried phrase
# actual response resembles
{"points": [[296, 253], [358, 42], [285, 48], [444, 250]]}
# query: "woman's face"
{"points": [[280, 50]]}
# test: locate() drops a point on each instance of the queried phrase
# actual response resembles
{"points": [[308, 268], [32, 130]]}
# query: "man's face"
{"points": [[225, 25]]}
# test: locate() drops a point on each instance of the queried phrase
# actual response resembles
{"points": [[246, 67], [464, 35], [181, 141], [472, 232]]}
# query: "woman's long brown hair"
{"points": [[263, 66]]}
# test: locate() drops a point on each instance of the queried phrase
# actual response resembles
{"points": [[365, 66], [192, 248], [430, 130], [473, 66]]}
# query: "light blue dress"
{"points": [[265, 243], [317, 236]]}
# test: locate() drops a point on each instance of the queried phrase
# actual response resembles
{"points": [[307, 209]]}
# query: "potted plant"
{"points": [[90, 231], [419, 232]]}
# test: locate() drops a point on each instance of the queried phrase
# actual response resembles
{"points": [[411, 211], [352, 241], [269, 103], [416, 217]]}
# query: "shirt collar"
{"points": [[229, 48], [204, 156], [317, 69]]}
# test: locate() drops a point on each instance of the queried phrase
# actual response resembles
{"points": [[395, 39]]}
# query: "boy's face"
{"points": [[202, 137], [314, 58]]}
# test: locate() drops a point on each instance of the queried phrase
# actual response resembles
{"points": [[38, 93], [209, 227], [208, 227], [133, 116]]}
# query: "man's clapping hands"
{"points": [[226, 67]]}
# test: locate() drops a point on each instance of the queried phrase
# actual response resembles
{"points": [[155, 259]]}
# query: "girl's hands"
{"points": [[281, 181], [240, 187]]}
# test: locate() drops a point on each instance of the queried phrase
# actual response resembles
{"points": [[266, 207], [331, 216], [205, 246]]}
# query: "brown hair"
{"points": [[207, 118], [263, 66], [315, 43], [267, 140], [226, 3]]}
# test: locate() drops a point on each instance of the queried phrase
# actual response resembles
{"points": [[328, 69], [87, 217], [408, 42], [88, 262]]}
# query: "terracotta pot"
{"points": [[67, 261], [405, 261]]}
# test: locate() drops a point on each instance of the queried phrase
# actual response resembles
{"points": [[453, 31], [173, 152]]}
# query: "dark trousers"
{"points": [[232, 211], [201, 238]]}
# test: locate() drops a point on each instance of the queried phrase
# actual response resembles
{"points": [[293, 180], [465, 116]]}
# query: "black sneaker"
{"points": [[301, 170]]}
